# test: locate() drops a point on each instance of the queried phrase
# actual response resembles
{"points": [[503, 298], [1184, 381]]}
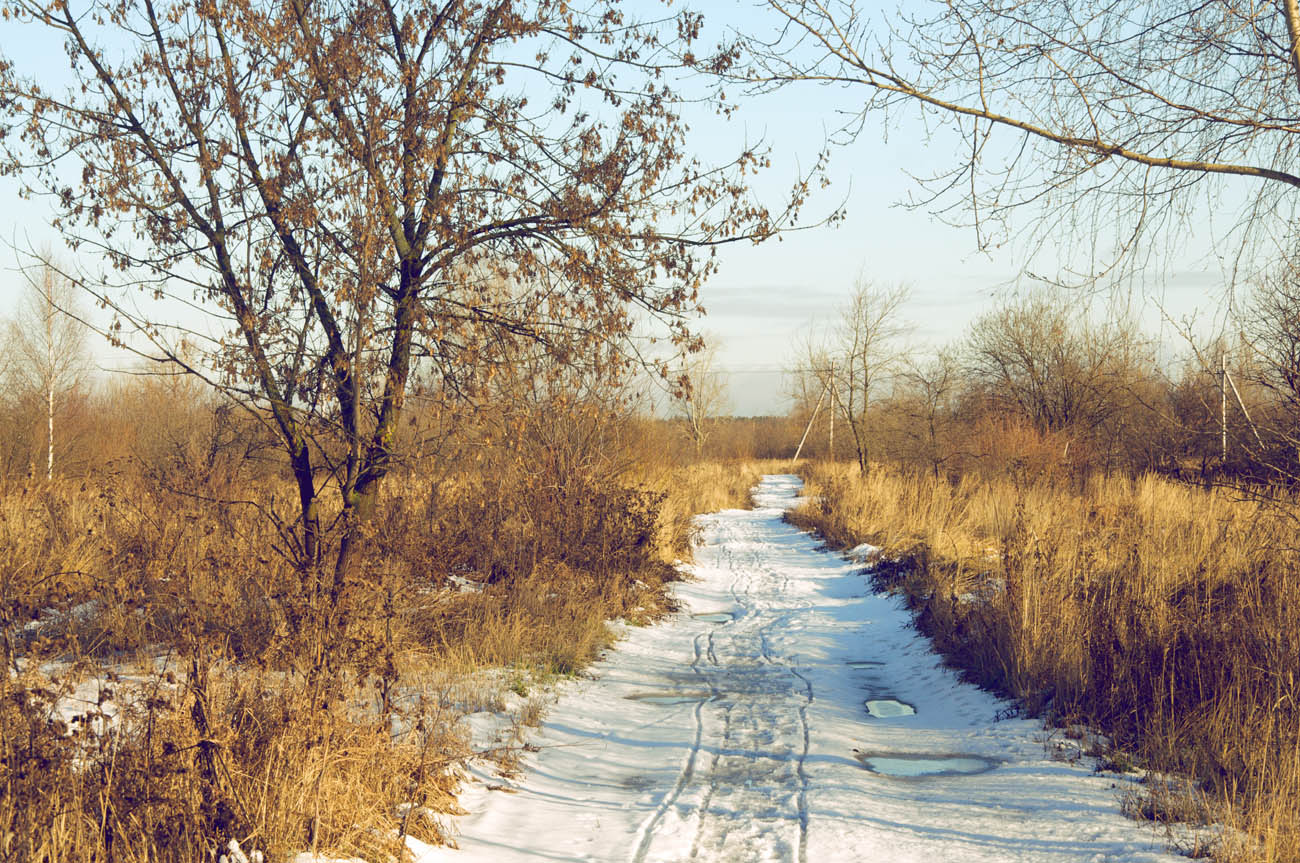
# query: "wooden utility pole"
{"points": [[1223, 407], [830, 448], [1241, 403], [808, 428]]}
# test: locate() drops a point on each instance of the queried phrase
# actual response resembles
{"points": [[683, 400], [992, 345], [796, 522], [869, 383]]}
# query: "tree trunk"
{"points": [[49, 376], [49, 455], [300, 459], [858, 427]]}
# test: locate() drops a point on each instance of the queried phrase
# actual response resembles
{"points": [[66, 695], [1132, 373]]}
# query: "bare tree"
{"points": [[1272, 334], [862, 352], [347, 191], [1044, 357], [930, 390], [1108, 118], [48, 342], [1034, 361], [703, 396], [1274, 327], [840, 370]]}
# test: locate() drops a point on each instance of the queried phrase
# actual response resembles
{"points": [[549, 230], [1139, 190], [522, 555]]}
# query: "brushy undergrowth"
{"points": [[1165, 615], [172, 682]]}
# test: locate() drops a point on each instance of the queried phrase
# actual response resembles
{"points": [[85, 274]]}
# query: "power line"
{"points": [[763, 370]]}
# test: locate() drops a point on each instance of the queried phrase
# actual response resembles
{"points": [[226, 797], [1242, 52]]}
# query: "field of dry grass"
{"points": [[172, 680], [1165, 615]]}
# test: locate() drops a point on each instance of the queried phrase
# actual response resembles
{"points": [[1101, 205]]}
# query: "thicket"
{"points": [[173, 681], [1045, 385]]}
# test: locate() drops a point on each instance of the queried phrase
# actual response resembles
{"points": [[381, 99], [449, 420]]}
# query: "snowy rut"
{"points": [[738, 731], [750, 803]]}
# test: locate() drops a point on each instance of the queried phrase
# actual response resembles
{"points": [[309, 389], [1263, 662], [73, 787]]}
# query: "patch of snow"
{"points": [[51, 617], [234, 854], [864, 553], [466, 585]]}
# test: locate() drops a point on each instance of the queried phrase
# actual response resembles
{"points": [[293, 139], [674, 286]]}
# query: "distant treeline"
{"points": [[1042, 387]]}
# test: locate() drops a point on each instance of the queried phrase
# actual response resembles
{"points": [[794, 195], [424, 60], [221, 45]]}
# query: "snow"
{"points": [[234, 854], [738, 731], [864, 553], [95, 695], [466, 585]]}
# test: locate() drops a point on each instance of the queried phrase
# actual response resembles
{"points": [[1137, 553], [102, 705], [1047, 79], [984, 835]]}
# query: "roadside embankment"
{"points": [[1166, 616]]}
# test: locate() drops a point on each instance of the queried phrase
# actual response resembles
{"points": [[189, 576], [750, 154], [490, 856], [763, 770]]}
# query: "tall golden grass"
{"points": [[1168, 616], [706, 486], [233, 700]]}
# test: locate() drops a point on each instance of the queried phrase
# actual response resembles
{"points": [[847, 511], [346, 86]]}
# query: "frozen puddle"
{"points": [[889, 708], [911, 766], [743, 748], [669, 697]]}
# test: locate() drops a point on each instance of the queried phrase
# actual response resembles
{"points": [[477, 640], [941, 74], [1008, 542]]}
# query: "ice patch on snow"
{"points": [[715, 616], [889, 708], [913, 766], [862, 664]]}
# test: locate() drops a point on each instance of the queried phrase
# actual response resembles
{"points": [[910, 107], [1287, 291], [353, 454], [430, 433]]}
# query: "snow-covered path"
{"points": [[737, 731]]}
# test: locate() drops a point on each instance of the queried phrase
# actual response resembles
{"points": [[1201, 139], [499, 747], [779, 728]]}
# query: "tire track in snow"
{"points": [[713, 786], [687, 772], [801, 767], [790, 664], [802, 770], [723, 749], [753, 765]]}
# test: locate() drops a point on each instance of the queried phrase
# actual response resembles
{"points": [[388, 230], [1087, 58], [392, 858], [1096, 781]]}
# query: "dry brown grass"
{"points": [[240, 702], [216, 716], [1166, 615], [706, 486], [288, 774]]}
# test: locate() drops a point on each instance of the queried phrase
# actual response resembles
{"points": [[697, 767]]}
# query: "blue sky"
{"points": [[765, 296]]}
